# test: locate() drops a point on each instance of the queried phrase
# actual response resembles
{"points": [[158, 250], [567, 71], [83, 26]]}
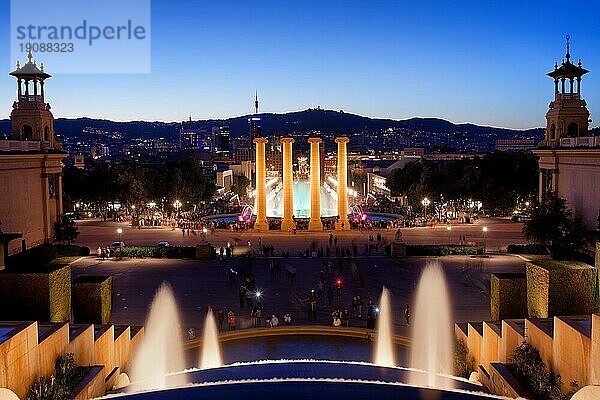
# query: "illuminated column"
{"points": [[342, 189], [288, 186], [261, 223], [315, 186]]}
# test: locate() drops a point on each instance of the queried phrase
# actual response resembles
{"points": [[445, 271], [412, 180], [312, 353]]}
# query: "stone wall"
{"points": [[30, 350], [568, 345], [29, 209]]}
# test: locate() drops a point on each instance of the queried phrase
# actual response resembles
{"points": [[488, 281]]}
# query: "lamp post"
{"points": [[485, 230], [204, 232], [449, 229], [177, 205], [425, 203], [120, 231]]}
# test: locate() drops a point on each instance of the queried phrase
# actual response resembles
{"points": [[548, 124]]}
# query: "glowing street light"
{"points": [[120, 231], [177, 205], [485, 230], [449, 229], [425, 203]]}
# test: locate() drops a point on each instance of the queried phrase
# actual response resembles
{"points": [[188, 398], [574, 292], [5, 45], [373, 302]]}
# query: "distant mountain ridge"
{"points": [[327, 121]]}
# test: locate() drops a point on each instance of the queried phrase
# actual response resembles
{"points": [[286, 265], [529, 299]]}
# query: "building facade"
{"points": [[31, 163], [569, 158]]}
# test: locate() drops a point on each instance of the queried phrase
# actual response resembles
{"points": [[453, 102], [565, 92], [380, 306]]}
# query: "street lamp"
{"points": [[120, 231], [177, 205], [425, 203], [204, 232], [449, 229], [485, 230]]}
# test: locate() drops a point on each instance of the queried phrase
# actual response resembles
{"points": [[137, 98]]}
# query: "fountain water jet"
{"points": [[384, 346], [211, 350], [432, 344], [161, 349]]}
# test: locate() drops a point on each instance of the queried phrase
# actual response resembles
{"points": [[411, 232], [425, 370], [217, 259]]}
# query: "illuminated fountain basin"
{"points": [[301, 201], [301, 379]]}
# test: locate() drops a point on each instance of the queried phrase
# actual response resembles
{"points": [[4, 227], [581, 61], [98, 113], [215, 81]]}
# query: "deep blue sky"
{"points": [[477, 61]]}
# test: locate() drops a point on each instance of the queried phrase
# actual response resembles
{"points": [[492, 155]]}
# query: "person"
{"points": [[320, 289], [242, 295], [221, 252], [287, 319], [336, 321], [407, 314], [259, 241], [220, 318], [231, 320], [312, 310], [99, 252], [274, 321], [335, 318], [258, 313], [359, 306], [346, 317], [371, 315]]}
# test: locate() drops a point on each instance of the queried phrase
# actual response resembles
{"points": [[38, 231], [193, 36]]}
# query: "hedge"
{"points": [[34, 257], [443, 250], [40, 294], [561, 288], [535, 249], [159, 252], [92, 299], [508, 296]]}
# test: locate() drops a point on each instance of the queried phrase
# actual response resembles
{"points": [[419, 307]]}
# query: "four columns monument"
{"points": [[287, 222]]}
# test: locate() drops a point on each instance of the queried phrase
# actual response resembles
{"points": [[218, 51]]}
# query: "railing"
{"points": [[31, 99], [567, 96], [584, 141], [19, 145]]}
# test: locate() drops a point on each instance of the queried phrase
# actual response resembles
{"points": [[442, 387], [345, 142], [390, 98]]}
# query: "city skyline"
{"points": [[375, 62]]}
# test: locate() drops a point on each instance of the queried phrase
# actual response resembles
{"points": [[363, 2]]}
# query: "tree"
{"points": [[553, 225], [240, 185], [65, 229]]}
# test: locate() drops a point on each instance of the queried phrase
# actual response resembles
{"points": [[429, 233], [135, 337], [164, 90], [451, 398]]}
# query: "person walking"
{"points": [[346, 317], [371, 315], [242, 296], [407, 314], [231, 320], [220, 318]]}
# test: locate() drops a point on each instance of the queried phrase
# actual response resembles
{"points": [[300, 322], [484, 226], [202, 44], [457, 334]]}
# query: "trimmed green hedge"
{"points": [[561, 288], [92, 299], [464, 363], [36, 256], [159, 252], [443, 250], [43, 296], [536, 249], [508, 296]]}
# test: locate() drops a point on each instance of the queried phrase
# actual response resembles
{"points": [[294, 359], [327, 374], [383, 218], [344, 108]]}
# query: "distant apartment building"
{"points": [[220, 141], [514, 145]]}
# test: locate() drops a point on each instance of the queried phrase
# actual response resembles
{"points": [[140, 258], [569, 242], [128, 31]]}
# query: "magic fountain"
{"points": [[159, 374]]}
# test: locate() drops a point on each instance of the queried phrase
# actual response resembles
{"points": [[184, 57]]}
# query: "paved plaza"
{"points": [[198, 284], [501, 232]]}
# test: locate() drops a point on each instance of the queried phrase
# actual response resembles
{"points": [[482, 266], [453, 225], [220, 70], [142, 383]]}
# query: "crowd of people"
{"points": [[324, 302]]}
